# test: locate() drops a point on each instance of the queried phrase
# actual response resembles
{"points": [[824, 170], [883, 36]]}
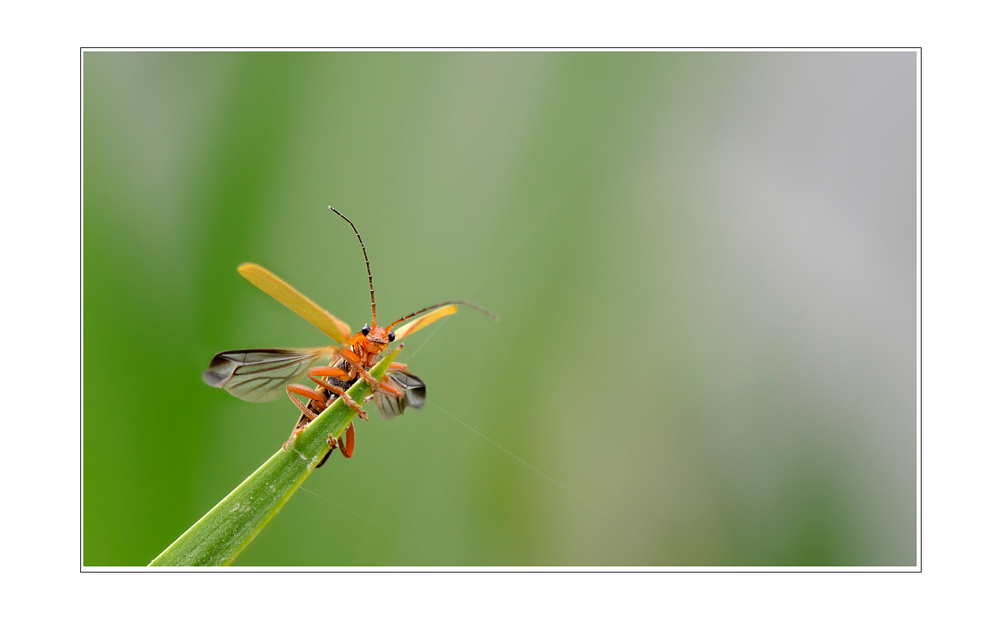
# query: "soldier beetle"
{"points": [[262, 374]]}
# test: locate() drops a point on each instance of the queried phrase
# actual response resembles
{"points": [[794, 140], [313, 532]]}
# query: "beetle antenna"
{"points": [[371, 287], [452, 302]]}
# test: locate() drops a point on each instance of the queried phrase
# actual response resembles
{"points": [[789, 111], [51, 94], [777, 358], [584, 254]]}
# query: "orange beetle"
{"points": [[261, 374]]}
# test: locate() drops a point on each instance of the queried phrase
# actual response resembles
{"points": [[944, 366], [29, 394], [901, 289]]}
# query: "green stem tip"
{"points": [[218, 537]]}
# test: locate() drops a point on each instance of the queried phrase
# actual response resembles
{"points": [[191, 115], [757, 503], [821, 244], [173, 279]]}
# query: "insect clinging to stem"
{"points": [[261, 374]]}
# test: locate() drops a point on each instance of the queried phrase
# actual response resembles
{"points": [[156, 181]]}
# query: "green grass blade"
{"points": [[218, 537]]}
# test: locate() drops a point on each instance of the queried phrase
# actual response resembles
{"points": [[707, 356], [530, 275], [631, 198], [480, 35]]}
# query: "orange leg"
{"points": [[388, 388], [351, 357], [358, 366], [305, 391], [346, 445], [384, 385], [307, 414], [343, 395], [330, 372]]}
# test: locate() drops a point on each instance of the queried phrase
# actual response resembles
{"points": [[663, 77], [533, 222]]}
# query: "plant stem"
{"points": [[218, 537]]}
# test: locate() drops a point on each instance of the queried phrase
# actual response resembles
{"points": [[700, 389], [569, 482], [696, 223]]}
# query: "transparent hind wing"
{"points": [[414, 395], [261, 375]]}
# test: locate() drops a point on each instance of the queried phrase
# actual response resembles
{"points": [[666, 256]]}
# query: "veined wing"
{"points": [[414, 395], [261, 375], [298, 302]]}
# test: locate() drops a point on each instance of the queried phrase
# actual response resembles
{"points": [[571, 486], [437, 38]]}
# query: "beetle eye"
{"points": [[392, 337], [365, 330]]}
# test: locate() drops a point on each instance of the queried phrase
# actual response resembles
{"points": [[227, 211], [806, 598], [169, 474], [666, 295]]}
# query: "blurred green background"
{"points": [[704, 266]]}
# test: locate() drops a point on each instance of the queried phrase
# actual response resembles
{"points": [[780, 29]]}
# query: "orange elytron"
{"points": [[261, 374]]}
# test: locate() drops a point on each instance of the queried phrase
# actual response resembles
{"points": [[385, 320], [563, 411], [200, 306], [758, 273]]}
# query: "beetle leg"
{"points": [[307, 414], [343, 395], [358, 366], [316, 375], [350, 356], [298, 389], [330, 372], [347, 445], [386, 387]]}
